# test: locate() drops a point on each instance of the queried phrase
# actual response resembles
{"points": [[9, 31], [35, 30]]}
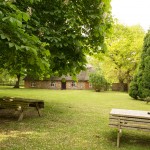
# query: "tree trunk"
{"points": [[18, 81]]}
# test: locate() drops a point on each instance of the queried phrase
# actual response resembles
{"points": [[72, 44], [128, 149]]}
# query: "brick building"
{"points": [[64, 82]]}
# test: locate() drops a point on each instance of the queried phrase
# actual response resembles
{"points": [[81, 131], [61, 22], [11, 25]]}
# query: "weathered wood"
{"points": [[147, 99], [130, 113], [21, 104], [129, 119], [21, 115], [13, 104], [113, 118]]}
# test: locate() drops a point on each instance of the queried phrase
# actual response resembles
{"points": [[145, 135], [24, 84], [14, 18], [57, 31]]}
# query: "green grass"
{"points": [[71, 120]]}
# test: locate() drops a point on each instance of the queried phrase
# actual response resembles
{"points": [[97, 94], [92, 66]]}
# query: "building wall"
{"points": [[42, 84], [81, 85], [119, 87], [70, 85]]}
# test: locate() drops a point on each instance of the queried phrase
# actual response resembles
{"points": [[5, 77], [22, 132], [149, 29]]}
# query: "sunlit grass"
{"points": [[71, 120]]}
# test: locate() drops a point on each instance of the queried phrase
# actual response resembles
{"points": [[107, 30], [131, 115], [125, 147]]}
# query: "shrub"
{"points": [[133, 90], [98, 82]]}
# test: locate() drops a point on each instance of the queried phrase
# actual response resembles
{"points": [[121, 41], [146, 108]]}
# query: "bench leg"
{"points": [[118, 137], [21, 116], [38, 110]]}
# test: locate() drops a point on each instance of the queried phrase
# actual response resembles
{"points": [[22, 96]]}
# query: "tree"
{"points": [[123, 54], [52, 36], [21, 52], [141, 82]]}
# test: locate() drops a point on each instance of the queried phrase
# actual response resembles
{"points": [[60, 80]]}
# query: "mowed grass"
{"points": [[71, 120]]}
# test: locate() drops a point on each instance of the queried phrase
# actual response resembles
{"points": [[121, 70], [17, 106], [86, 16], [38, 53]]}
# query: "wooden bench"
{"points": [[129, 119], [147, 99], [21, 104]]}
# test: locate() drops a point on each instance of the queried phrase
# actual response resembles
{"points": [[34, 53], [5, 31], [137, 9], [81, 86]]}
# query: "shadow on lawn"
{"points": [[129, 138], [52, 111], [32, 129]]}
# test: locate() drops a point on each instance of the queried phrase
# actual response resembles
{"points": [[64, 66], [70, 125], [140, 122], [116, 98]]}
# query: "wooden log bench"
{"points": [[21, 104], [129, 119]]}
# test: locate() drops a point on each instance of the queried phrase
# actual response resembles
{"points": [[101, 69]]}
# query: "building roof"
{"points": [[82, 76]]}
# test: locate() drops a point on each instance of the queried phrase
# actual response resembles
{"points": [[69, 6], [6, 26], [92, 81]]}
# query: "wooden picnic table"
{"points": [[21, 104], [129, 119]]}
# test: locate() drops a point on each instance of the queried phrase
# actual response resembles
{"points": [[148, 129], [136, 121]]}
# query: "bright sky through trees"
{"points": [[132, 12]]}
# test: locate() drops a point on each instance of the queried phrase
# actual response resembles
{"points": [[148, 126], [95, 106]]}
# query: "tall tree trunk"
{"points": [[18, 81]]}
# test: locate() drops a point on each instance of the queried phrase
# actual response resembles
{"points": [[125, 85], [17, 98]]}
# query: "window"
{"points": [[52, 84], [73, 84], [90, 85], [33, 84]]}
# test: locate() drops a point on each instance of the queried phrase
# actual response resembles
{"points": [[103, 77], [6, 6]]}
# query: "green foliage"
{"points": [[143, 76], [5, 77], [21, 52], [133, 91], [39, 37], [98, 81], [72, 29], [123, 54]]}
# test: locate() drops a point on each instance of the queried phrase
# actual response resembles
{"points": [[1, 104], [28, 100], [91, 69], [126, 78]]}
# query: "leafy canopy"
{"points": [[123, 55], [21, 52], [39, 37]]}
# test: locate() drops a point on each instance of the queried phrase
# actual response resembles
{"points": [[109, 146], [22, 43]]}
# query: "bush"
{"points": [[98, 82], [133, 90]]}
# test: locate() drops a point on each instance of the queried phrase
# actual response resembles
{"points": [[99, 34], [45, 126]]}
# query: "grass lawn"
{"points": [[71, 120]]}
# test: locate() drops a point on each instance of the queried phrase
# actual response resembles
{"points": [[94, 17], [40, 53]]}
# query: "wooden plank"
{"points": [[26, 100], [132, 126], [130, 113], [21, 99], [129, 119], [22, 102], [12, 104], [128, 127], [21, 115]]}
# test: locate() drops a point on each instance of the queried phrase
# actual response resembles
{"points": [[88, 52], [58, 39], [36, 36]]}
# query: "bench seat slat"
{"points": [[4, 104], [132, 124], [130, 120], [130, 127]]}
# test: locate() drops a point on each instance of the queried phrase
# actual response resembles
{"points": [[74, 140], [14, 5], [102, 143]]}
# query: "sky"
{"points": [[132, 12]]}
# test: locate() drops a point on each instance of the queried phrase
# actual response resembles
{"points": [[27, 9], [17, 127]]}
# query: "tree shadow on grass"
{"points": [[9, 115], [131, 138], [52, 111], [33, 129]]}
